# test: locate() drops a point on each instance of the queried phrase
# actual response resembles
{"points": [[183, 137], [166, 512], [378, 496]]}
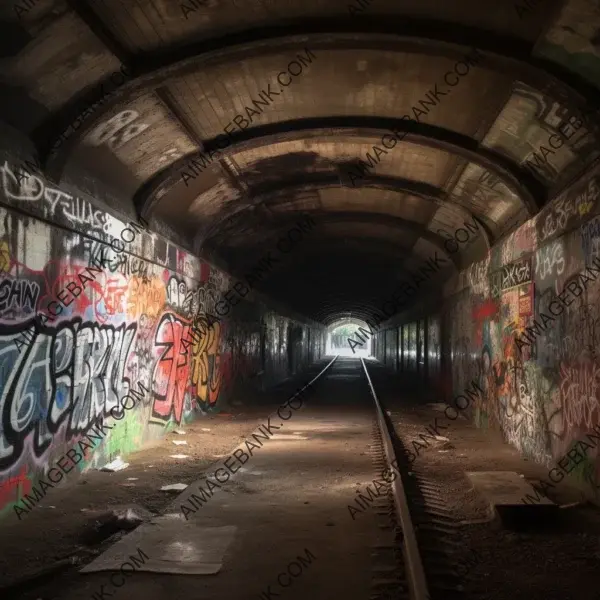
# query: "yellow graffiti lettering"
{"points": [[206, 362], [4, 257], [145, 297]]}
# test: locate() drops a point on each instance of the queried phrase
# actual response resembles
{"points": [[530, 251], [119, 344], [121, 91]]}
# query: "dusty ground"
{"points": [[54, 529], [293, 496], [556, 562]]}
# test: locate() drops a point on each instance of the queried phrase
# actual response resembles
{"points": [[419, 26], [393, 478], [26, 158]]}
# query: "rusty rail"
{"points": [[414, 566]]}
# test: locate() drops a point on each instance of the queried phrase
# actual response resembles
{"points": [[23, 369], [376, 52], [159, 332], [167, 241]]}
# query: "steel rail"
{"points": [[312, 380], [416, 573]]}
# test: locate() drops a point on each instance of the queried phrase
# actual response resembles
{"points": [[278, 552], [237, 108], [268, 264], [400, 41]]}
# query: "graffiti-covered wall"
{"points": [[525, 323], [93, 307]]}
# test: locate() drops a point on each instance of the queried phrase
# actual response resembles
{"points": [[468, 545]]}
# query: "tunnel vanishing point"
{"points": [[195, 195]]}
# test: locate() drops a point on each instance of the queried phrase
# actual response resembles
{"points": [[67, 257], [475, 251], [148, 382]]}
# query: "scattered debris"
{"points": [[179, 431], [180, 442], [174, 487], [132, 478], [105, 524], [441, 438], [205, 429], [571, 505], [447, 446], [128, 484], [179, 456], [115, 465]]}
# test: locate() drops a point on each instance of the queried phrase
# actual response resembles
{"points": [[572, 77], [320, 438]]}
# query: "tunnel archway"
{"points": [[196, 206], [345, 334]]}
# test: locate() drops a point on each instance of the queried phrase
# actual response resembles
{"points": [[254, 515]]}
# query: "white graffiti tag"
{"points": [[550, 260], [119, 130], [32, 188]]}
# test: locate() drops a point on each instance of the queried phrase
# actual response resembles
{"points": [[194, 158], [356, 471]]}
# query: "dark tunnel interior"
{"points": [[381, 215]]}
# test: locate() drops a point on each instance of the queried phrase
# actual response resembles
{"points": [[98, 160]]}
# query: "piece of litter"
{"points": [[571, 505], [115, 465], [180, 431], [174, 487], [179, 456], [101, 525], [244, 470], [128, 484], [132, 478], [180, 442], [441, 438], [205, 429], [443, 451]]}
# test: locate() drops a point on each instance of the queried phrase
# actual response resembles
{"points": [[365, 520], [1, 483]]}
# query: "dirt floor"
{"points": [[300, 501], [292, 497], [60, 525], [558, 560]]}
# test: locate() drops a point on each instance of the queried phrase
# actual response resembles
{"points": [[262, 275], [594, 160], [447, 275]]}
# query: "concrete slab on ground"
{"points": [[171, 545], [504, 488]]}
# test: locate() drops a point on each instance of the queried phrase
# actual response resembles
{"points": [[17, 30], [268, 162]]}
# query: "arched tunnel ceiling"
{"points": [[183, 108]]}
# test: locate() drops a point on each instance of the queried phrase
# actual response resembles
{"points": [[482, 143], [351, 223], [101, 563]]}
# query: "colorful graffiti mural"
{"points": [[123, 329], [543, 398]]}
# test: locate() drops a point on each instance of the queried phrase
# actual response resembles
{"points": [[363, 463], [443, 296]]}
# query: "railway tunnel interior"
{"points": [[203, 202]]}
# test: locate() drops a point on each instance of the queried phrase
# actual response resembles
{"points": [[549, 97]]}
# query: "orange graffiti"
{"points": [[4, 257], [189, 362], [206, 362], [146, 297]]}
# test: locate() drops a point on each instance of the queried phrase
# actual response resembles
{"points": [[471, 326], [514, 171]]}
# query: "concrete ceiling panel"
{"points": [[144, 137], [192, 71]]}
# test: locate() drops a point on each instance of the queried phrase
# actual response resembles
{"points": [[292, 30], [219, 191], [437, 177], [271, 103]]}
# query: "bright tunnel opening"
{"points": [[349, 337]]}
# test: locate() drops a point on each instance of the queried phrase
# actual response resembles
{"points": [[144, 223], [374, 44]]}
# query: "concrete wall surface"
{"points": [[93, 308], [524, 324]]}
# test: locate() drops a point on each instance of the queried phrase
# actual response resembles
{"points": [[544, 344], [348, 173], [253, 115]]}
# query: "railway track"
{"points": [[425, 568], [416, 559], [413, 557]]}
